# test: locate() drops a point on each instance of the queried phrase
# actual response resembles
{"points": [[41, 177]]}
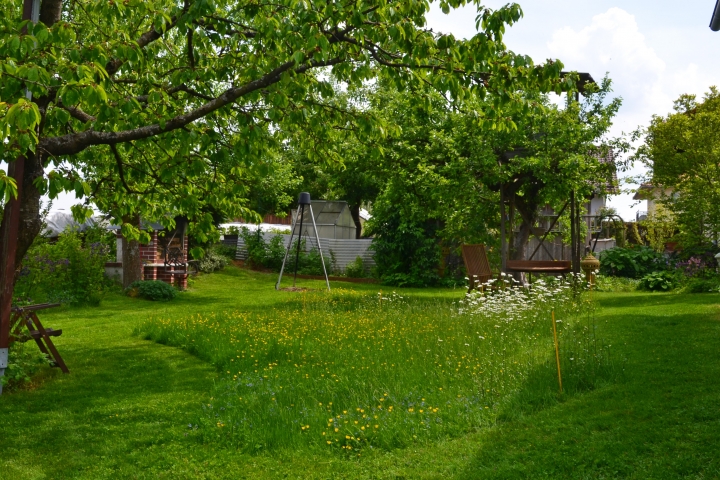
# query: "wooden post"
{"points": [[557, 351], [503, 238]]}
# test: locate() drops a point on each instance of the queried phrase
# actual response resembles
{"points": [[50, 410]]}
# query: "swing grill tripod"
{"points": [[303, 201]]}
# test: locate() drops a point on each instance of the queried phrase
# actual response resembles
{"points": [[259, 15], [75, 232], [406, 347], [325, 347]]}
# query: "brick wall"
{"points": [[154, 269]]}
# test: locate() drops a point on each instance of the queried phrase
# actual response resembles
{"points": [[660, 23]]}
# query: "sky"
{"points": [[652, 50]]}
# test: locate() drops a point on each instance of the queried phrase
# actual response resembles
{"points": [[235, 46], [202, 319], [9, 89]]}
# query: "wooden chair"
{"points": [[477, 265]]}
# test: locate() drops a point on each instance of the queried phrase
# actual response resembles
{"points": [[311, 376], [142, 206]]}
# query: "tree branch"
{"points": [[75, 143], [119, 163]]}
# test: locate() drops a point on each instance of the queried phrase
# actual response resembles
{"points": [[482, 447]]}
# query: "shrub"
{"points": [[255, 246], [406, 254], [67, 271], [152, 290], [703, 285], [22, 364], [355, 269], [213, 260], [633, 262], [663, 281], [225, 250], [615, 284], [274, 253], [309, 262], [270, 255]]}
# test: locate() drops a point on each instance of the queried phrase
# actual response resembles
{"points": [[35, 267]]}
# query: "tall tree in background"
{"points": [[682, 151], [552, 152], [442, 171]]}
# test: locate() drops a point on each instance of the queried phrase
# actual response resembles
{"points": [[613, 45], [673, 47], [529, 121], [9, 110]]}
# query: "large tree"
{"points": [[157, 87], [551, 153], [682, 151]]}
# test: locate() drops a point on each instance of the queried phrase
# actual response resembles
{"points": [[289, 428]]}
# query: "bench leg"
{"points": [[50, 345]]}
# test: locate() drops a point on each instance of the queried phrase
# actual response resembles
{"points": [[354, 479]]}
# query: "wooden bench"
{"points": [[553, 267]]}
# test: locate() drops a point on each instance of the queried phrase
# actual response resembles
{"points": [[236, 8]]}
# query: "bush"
{"points": [[356, 268], [225, 250], [663, 281], [152, 290], [407, 253], [615, 284], [703, 285], [261, 254], [309, 262], [633, 262], [213, 260], [22, 364], [67, 271]]}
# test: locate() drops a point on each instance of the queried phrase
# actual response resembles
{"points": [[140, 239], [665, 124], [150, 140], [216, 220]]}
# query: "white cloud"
{"points": [[613, 43], [652, 54]]}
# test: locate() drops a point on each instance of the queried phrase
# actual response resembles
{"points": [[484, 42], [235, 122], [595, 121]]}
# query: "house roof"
{"points": [[643, 192]]}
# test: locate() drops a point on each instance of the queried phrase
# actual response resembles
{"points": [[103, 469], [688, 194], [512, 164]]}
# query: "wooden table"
{"points": [[556, 267]]}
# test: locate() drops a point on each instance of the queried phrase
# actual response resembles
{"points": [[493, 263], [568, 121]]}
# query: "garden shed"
{"points": [[333, 220]]}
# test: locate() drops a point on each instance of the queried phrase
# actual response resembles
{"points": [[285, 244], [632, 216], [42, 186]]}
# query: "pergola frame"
{"points": [[575, 238]]}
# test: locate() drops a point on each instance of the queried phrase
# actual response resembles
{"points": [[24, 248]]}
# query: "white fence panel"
{"points": [[344, 250], [560, 251]]}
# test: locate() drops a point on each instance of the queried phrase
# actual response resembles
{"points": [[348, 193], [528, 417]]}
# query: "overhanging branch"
{"points": [[75, 143]]}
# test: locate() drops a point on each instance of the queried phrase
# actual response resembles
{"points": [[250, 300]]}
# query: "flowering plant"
{"points": [[506, 299]]}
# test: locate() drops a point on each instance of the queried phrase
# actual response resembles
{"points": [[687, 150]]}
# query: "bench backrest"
{"points": [[476, 262]]}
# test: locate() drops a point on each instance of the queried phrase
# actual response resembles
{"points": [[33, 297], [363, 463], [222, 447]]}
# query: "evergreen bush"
{"points": [[155, 290]]}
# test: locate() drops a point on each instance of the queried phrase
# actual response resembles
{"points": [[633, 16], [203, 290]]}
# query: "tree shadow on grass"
{"points": [[660, 420], [675, 300], [117, 402]]}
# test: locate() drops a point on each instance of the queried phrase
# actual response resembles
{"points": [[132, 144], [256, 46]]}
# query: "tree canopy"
{"points": [[160, 106], [682, 151], [434, 179]]}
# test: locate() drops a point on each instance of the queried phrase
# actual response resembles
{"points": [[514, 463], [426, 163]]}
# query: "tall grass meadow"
{"points": [[348, 371]]}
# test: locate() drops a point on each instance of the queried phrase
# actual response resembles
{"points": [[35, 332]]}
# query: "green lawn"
{"points": [[124, 410]]}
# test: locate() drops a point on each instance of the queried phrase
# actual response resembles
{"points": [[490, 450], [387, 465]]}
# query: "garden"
{"points": [[364, 382], [185, 363]]}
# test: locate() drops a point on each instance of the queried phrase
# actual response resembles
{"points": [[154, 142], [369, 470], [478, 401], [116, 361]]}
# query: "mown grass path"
{"points": [[124, 409]]}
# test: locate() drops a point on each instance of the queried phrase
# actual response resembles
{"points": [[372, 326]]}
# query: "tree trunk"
{"points": [[30, 220], [355, 212], [50, 11], [527, 206], [131, 259]]}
